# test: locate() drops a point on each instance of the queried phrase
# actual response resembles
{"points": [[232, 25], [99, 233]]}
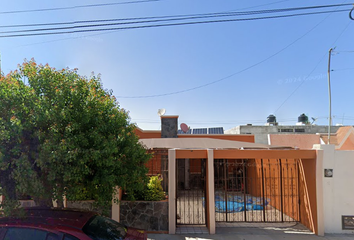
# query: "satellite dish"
{"points": [[161, 112], [184, 127]]}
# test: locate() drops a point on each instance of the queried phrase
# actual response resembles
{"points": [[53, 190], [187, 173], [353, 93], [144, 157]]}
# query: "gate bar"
{"points": [[263, 190], [298, 187], [225, 185], [244, 188], [281, 190]]}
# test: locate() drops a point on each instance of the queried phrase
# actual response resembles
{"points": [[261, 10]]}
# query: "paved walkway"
{"points": [[245, 231]]}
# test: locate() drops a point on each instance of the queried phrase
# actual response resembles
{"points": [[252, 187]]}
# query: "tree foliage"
{"points": [[63, 134]]}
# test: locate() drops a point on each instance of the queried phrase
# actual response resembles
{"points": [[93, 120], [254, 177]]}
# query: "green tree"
{"points": [[63, 134]]}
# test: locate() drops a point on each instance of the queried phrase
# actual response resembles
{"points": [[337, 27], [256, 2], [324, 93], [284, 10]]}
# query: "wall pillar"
{"points": [[1, 199], [115, 205], [324, 185], [172, 191], [319, 190], [211, 192]]}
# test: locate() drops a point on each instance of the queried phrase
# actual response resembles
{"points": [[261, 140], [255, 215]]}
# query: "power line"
{"points": [[154, 25], [178, 17], [69, 38], [318, 63], [343, 51], [229, 76], [341, 69], [75, 7]]}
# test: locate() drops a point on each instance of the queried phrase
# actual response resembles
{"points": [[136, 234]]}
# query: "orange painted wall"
{"points": [[143, 134], [154, 164], [348, 144], [273, 185], [195, 166], [298, 183]]}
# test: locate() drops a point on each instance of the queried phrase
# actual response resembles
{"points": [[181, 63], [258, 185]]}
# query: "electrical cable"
{"points": [[179, 17], [350, 13], [341, 69], [312, 69], [343, 51], [229, 76], [156, 25], [97, 34], [75, 7]]}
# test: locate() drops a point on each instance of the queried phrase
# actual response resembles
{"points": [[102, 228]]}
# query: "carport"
{"points": [[205, 153]]}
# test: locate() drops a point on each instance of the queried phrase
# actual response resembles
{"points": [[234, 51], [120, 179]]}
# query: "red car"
{"points": [[65, 224]]}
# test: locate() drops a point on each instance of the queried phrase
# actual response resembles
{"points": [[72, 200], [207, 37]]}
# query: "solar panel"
{"points": [[217, 130], [200, 131]]}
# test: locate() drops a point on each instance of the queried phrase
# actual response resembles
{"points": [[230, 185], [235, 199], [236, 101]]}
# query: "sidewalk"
{"points": [[291, 231]]}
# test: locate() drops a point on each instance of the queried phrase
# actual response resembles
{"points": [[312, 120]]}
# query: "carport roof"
{"points": [[203, 143]]}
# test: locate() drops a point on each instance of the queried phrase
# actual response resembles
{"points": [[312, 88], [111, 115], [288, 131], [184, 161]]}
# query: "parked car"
{"points": [[65, 224]]}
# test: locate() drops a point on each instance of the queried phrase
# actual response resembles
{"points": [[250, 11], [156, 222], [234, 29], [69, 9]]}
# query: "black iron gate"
{"points": [[257, 190], [190, 192]]}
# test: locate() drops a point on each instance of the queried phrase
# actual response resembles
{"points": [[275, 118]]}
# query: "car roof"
{"points": [[60, 218]]}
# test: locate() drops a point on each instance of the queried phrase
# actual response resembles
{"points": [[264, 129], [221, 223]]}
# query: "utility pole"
{"points": [[329, 95]]}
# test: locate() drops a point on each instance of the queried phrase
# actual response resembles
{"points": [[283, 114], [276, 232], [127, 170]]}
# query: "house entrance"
{"points": [[257, 190], [190, 192]]}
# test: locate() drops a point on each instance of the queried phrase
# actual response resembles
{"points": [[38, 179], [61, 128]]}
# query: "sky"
{"points": [[221, 74]]}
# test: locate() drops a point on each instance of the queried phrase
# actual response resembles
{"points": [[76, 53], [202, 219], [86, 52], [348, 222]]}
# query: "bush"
{"points": [[154, 190]]}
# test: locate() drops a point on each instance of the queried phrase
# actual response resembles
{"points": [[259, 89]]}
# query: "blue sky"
{"points": [[257, 68]]}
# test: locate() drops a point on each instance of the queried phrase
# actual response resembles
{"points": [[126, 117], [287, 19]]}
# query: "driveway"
{"points": [[245, 231]]}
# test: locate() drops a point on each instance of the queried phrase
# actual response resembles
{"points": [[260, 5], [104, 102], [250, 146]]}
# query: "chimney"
{"points": [[169, 126]]}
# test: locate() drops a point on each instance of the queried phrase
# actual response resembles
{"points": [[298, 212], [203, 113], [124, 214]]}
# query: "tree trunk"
{"points": [[8, 185]]}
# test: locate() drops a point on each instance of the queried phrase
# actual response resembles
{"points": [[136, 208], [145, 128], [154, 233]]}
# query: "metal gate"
{"points": [[257, 190], [190, 192]]}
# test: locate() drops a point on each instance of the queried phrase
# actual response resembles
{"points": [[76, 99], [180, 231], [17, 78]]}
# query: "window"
{"points": [[347, 222], [104, 228], [70, 237], [287, 130], [299, 130], [29, 234]]}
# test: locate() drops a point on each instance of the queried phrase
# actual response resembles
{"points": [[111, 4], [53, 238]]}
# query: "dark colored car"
{"points": [[65, 224]]}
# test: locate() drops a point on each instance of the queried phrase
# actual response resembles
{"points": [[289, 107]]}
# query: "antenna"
{"points": [[161, 112], [184, 127], [313, 120]]}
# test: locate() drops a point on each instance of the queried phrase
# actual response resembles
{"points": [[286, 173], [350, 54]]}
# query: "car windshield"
{"points": [[102, 228]]}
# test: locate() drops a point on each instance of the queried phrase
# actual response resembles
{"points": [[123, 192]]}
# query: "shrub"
{"points": [[154, 190]]}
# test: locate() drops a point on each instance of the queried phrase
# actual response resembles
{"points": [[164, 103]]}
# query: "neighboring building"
{"points": [[297, 141], [343, 139], [272, 127]]}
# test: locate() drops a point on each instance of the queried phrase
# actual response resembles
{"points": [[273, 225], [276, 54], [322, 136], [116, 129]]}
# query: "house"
{"points": [[343, 139], [229, 178], [261, 132]]}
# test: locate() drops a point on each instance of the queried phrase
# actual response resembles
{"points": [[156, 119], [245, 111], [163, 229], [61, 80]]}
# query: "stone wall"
{"points": [[169, 126], [150, 216], [89, 205]]}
